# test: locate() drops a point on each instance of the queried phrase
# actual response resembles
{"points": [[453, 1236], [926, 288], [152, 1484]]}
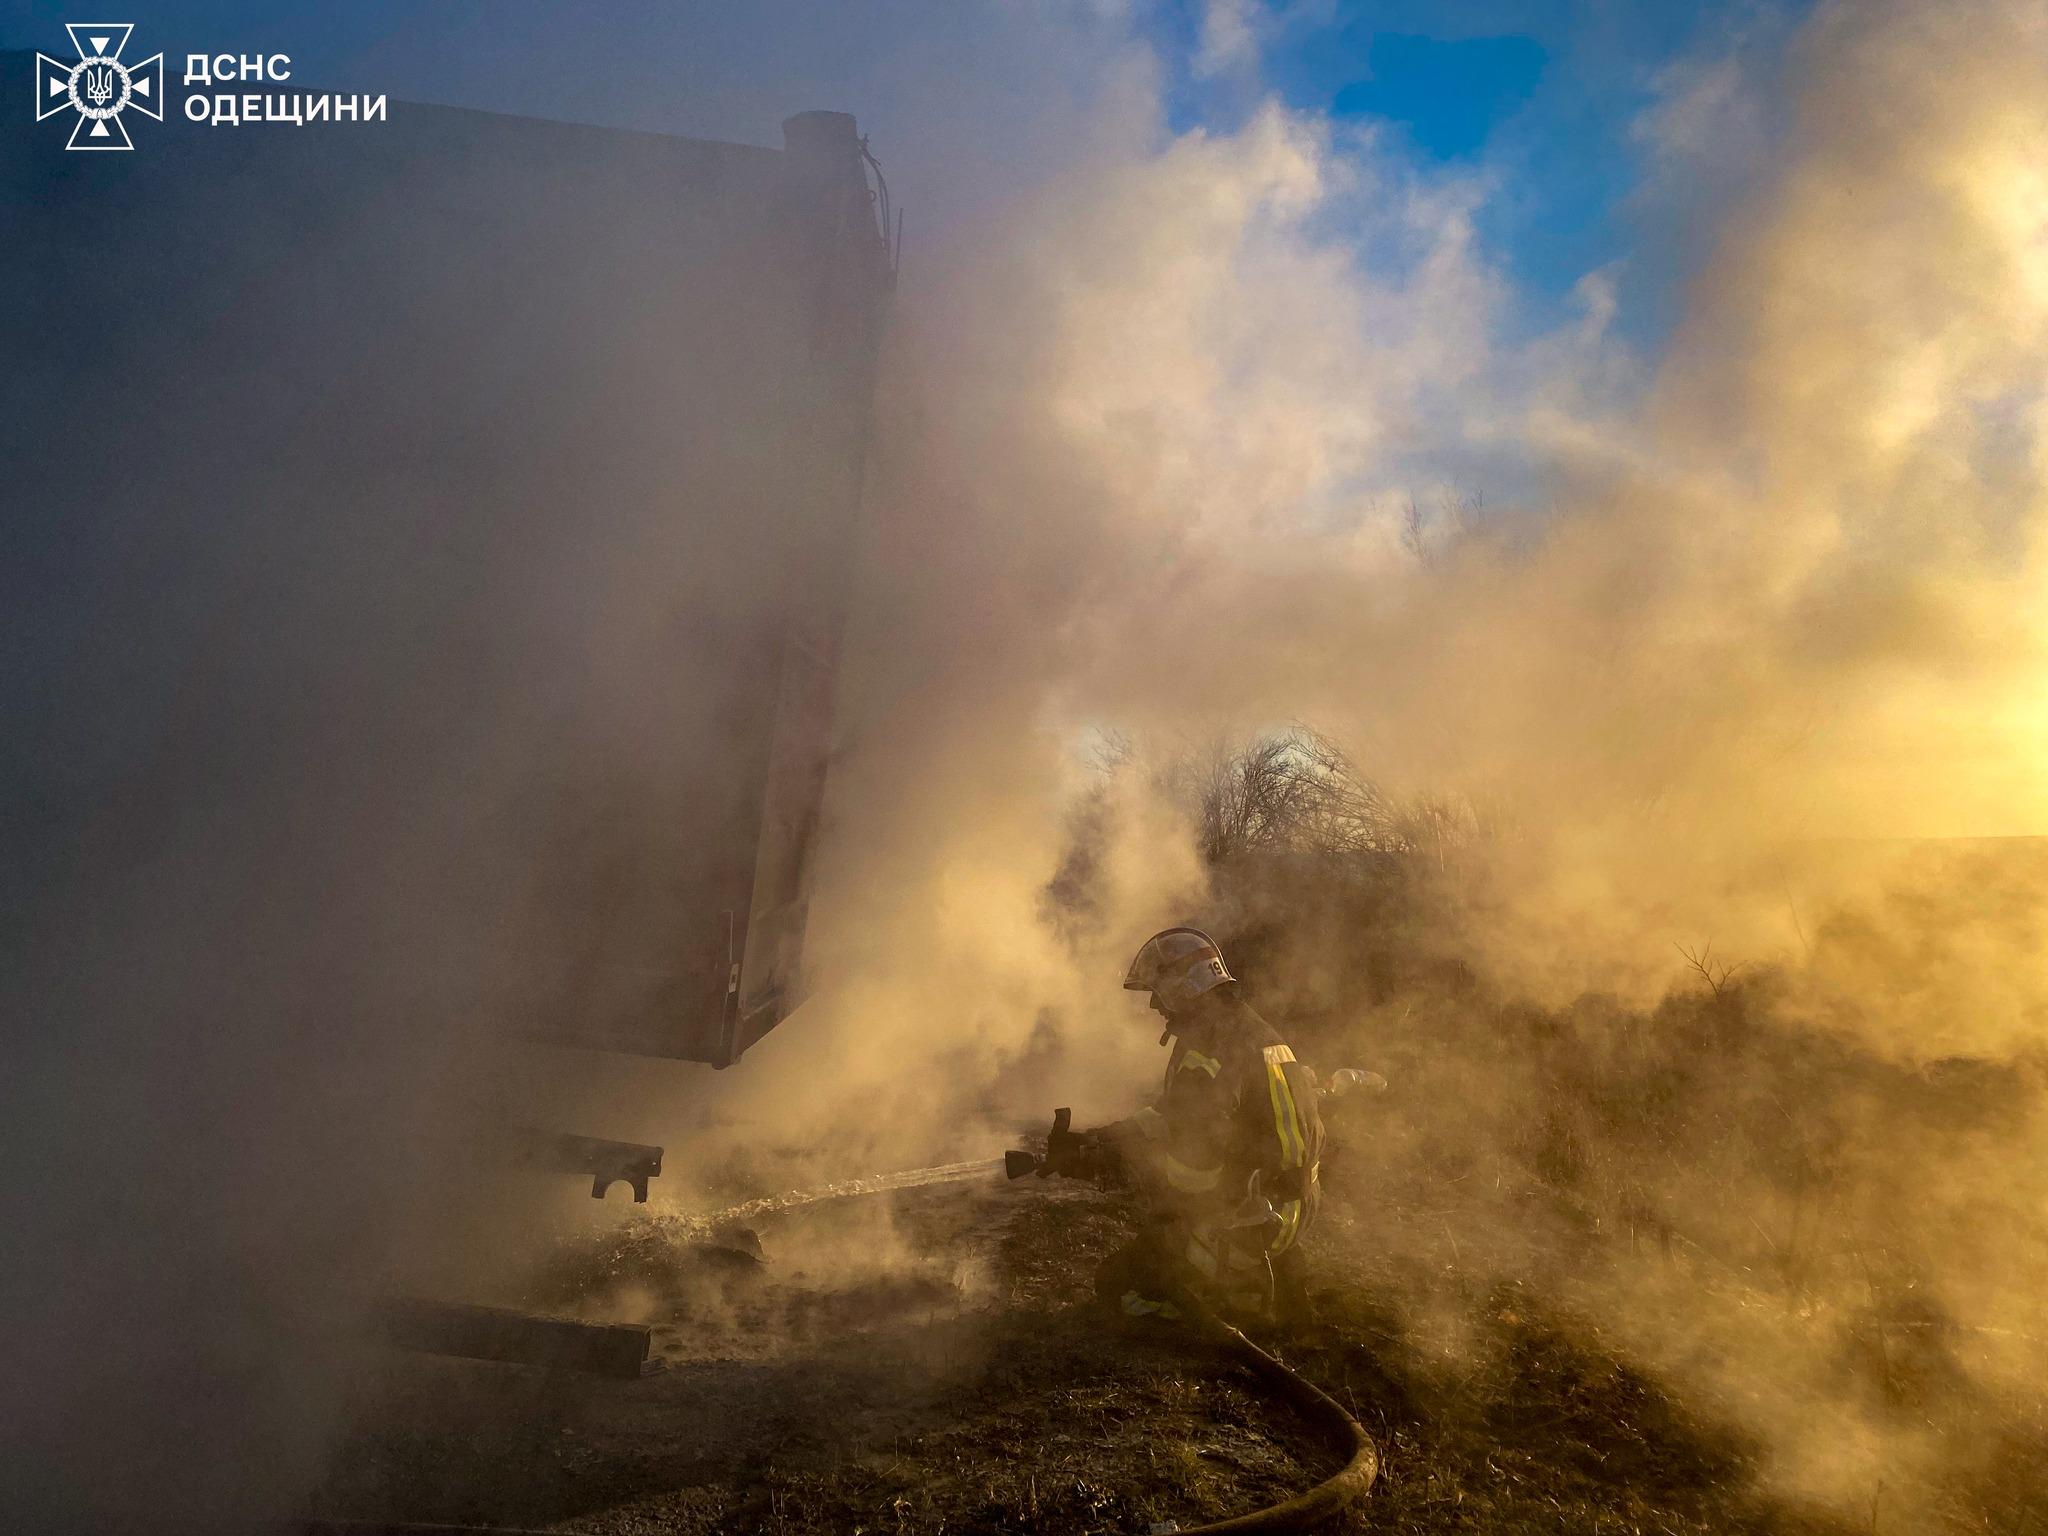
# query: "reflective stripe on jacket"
{"points": [[1242, 1138]]}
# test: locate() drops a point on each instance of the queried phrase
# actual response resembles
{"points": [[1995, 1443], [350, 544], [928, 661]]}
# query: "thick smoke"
{"points": [[1197, 441], [1190, 443], [361, 648], [1179, 438]]}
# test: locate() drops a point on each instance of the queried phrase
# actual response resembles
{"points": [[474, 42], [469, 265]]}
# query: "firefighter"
{"points": [[1224, 1164]]}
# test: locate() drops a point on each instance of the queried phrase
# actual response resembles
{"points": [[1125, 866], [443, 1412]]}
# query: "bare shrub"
{"points": [[1297, 792]]}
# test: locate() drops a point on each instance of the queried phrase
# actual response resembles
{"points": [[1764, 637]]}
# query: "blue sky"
{"points": [[1538, 96], [1541, 97]]}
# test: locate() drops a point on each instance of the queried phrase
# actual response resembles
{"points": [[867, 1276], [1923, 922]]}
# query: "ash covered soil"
{"points": [[930, 1361]]}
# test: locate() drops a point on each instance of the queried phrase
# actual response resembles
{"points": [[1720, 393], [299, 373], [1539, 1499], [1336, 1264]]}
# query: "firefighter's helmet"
{"points": [[1177, 966]]}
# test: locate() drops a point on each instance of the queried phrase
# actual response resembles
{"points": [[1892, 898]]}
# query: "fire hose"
{"points": [[1069, 1152], [1335, 1493]]}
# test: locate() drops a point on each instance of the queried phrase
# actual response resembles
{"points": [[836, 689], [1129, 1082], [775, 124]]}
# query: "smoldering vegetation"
{"points": [[1706, 1264], [1713, 1258], [1800, 1235]]}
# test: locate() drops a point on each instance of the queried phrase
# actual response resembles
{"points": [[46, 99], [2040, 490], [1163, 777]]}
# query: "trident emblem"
{"points": [[98, 86]]}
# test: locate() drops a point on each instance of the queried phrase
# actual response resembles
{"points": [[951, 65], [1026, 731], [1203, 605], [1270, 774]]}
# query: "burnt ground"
{"points": [[929, 1362]]}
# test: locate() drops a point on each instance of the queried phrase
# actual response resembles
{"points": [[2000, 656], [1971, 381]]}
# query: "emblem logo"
{"points": [[98, 86]]}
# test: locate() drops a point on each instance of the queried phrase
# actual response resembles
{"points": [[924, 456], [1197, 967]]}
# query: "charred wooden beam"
{"points": [[517, 1338]]}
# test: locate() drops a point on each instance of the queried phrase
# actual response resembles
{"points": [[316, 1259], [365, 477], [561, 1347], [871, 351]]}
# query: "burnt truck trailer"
{"points": [[528, 453]]}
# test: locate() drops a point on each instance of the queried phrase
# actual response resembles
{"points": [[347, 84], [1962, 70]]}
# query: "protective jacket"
{"points": [[1229, 1157], [1240, 1127]]}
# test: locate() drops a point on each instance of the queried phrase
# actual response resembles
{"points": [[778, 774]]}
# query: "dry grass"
{"points": [[1025, 1414], [1481, 1237]]}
